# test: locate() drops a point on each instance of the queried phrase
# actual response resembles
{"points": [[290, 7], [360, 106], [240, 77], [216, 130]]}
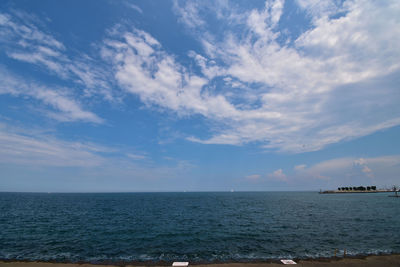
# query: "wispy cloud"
{"points": [[24, 38], [25, 32], [133, 6], [364, 167], [58, 104], [51, 163], [278, 175], [320, 9], [300, 167], [137, 156], [37, 147], [25, 148], [253, 177], [188, 13]]}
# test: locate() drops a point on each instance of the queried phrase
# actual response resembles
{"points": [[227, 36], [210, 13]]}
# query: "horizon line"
{"points": [[127, 192]]}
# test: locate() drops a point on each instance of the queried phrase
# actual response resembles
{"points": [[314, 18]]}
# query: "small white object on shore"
{"points": [[180, 263], [288, 262]]}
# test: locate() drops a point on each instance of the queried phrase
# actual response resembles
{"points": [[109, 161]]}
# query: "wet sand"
{"points": [[370, 261]]}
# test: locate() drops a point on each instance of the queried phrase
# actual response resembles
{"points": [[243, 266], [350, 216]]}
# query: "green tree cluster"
{"points": [[359, 188]]}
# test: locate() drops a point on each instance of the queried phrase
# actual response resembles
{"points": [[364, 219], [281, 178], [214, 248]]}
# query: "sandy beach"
{"points": [[370, 261]]}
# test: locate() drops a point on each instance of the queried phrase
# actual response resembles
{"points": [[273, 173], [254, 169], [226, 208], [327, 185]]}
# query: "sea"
{"points": [[199, 227]]}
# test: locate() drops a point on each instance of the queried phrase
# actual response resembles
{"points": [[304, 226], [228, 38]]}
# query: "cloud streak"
{"points": [[59, 105], [35, 147], [23, 147], [23, 38], [34, 160]]}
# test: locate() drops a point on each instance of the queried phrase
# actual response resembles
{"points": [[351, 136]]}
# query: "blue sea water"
{"points": [[198, 227]]}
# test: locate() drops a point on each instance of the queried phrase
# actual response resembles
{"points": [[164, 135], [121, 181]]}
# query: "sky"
{"points": [[133, 96]]}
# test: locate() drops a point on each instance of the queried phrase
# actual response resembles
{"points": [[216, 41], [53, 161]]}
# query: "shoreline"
{"points": [[392, 259]]}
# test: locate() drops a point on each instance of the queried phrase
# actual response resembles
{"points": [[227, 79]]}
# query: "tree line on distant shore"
{"points": [[359, 188]]}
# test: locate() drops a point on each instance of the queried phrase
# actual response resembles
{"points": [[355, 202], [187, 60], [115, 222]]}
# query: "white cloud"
{"points": [[37, 147], [38, 58], [42, 150], [32, 159], [262, 23], [335, 83], [189, 13], [278, 175], [253, 177], [21, 25], [193, 14], [143, 68], [368, 171], [64, 107], [364, 167], [300, 167], [320, 9], [134, 7], [23, 40], [136, 156]]}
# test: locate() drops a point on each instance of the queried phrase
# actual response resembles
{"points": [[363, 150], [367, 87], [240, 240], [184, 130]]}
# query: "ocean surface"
{"points": [[195, 227]]}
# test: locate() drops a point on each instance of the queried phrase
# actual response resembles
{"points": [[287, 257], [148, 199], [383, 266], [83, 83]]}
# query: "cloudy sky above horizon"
{"points": [[100, 96]]}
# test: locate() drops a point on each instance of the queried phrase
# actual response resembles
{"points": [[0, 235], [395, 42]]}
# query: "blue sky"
{"points": [[101, 96]]}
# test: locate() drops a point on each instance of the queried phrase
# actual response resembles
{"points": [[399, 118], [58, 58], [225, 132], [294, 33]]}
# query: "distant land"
{"points": [[358, 189]]}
